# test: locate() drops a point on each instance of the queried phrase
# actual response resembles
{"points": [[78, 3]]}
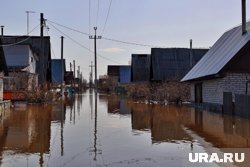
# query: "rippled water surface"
{"points": [[112, 131]]}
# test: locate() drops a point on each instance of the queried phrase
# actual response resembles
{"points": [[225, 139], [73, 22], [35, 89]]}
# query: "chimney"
{"points": [[244, 27], [191, 53], [2, 30]]}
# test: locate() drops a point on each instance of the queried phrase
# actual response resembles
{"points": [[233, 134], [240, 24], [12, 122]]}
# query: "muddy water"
{"points": [[112, 131]]}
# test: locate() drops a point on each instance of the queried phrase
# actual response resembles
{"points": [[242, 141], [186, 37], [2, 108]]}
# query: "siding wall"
{"points": [[213, 89], [141, 67]]}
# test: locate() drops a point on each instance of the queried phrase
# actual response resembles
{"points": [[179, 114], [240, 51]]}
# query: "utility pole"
{"points": [[28, 12], [70, 65], [41, 24], [78, 76], [43, 76], [74, 66], [95, 37], [2, 31], [91, 75], [62, 66]]}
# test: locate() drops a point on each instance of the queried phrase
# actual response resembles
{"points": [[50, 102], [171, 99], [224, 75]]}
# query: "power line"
{"points": [[106, 20], [84, 46], [72, 29], [54, 55], [16, 43], [130, 43], [110, 39]]}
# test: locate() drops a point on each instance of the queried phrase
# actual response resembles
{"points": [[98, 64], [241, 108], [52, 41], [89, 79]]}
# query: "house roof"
{"points": [[225, 48]]}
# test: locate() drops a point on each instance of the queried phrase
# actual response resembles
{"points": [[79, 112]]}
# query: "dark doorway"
{"points": [[198, 93]]}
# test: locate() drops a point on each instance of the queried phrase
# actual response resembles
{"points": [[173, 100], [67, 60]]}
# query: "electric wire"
{"points": [[72, 29], [107, 17], [19, 42], [84, 46], [54, 55], [109, 39]]}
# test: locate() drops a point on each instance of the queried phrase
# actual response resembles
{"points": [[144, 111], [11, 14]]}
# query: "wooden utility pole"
{"points": [[91, 75], [43, 76], [62, 66], [74, 66], [95, 37]]}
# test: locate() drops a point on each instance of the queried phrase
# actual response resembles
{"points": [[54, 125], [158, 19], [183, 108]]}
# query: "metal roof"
{"points": [[225, 48]]}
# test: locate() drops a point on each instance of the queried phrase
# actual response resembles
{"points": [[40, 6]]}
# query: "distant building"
{"points": [[58, 71], [171, 64], [224, 69], [141, 67], [119, 73]]}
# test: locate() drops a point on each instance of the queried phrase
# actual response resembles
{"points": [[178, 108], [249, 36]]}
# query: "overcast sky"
{"points": [[163, 23]]}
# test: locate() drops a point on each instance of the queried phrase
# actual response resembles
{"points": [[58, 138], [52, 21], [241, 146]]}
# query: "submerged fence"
{"points": [[240, 106]]}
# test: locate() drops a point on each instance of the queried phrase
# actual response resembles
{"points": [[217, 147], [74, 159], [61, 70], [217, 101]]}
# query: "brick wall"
{"points": [[213, 89]]}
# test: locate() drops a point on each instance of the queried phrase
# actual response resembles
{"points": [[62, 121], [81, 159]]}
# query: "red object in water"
{"points": [[14, 95]]}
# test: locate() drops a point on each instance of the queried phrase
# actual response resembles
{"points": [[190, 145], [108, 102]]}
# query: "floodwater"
{"points": [[114, 132]]}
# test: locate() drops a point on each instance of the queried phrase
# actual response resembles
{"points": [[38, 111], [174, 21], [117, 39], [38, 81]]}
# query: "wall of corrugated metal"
{"points": [[125, 74], [141, 65], [113, 70], [173, 63], [56, 71]]}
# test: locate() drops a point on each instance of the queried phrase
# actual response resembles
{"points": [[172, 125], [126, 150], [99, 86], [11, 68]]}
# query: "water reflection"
{"points": [[106, 130], [27, 131], [165, 123]]}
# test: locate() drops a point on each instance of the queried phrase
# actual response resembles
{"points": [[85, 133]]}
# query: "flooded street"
{"points": [[112, 131]]}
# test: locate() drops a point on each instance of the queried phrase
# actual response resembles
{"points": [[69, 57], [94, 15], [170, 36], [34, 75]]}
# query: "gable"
{"points": [[221, 53]]}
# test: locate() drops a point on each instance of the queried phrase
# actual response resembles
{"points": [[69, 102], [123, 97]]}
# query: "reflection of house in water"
{"points": [[167, 124], [118, 105], [58, 112], [32, 129], [141, 116], [222, 132], [164, 122]]}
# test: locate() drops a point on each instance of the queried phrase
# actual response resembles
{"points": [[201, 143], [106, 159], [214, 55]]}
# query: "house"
{"points": [[224, 72], [119, 73], [58, 71], [21, 58], [21, 61], [171, 64], [141, 67], [41, 47]]}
